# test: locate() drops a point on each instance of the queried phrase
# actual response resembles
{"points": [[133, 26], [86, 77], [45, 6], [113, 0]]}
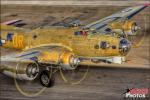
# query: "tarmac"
{"points": [[100, 84]]}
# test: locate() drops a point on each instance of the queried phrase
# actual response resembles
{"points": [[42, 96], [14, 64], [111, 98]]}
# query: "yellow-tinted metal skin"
{"points": [[6, 27], [80, 45], [65, 57], [49, 56], [17, 42], [56, 56], [127, 25], [116, 25]]}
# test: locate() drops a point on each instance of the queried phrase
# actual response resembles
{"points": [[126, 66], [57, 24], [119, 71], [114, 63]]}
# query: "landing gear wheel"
{"points": [[46, 79]]}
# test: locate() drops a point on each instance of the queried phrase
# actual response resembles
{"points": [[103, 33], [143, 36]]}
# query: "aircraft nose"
{"points": [[124, 46]]}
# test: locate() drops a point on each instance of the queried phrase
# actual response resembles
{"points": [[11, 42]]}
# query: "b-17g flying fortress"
{"points": [[43, 49]]}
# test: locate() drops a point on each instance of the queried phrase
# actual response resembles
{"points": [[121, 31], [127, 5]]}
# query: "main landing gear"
{"points": [[46, 75], [47, 79]]}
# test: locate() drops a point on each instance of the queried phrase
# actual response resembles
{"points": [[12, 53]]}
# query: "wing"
{"points": [[125, 14], [47, 54], [26, 56]]}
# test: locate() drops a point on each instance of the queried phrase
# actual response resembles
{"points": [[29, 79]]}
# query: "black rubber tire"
{"points": [[49, 78]]}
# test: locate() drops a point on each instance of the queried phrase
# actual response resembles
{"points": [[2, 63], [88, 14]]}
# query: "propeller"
{"points": [[137, 39]]}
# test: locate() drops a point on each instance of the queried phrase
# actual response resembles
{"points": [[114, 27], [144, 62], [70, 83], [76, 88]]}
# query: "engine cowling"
{"points": [[65, 59], [69, 61], [20, 70], [127, 27], [130, 27]]}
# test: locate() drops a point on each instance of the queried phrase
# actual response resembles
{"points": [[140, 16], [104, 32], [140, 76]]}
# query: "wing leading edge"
{"points": [[125, 14]]}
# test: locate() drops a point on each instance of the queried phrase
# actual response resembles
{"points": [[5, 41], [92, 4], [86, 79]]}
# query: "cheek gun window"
{"points": [[104, 45]]}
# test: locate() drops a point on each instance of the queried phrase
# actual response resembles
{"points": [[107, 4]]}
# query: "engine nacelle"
{"points": [[20, 70], [65, 58], [130, 27], [127, 27], [69, 61]]}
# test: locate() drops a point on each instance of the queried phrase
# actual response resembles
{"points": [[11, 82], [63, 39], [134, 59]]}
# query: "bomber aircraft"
{"points": [[45, 49]]}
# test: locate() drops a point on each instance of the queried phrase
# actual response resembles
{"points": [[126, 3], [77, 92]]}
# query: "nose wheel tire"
{"points": [[47, 79]]}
